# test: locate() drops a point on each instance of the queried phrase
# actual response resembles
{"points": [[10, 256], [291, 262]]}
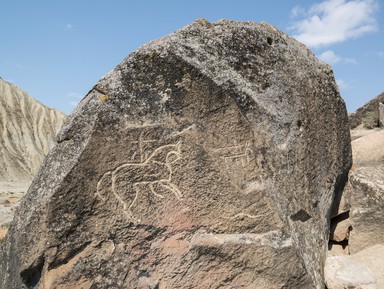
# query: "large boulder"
{"points": [[207, 159]]}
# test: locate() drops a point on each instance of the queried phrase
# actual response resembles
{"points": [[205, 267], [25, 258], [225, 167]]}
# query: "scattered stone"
{"points": [[201, 161]]}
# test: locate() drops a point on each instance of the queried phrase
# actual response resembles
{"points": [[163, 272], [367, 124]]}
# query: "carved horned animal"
{"points": [[126, 181]]}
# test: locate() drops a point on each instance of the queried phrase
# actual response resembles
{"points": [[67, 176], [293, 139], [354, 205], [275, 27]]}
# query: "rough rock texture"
{"points": [[373, 259], [366, 190], [368, 113], [363, 270], [28, 130], [367, 208], [206, 159], [368, 150], [343, 272]]}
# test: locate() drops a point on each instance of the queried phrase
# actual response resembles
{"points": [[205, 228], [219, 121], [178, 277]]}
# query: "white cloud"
{"points": [[330, 57], [73, 94], [68, 26], [381, 54], [297, 11], [350, 60], [74, 98], [74, 103], [342, 84], [334, 21]]}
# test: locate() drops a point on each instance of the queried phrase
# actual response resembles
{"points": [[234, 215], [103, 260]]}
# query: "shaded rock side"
{"points": [[28, 130], [207, 159], [369, 115]]}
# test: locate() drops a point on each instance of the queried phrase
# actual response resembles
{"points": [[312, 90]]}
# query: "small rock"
{"points": [[340, 231]]}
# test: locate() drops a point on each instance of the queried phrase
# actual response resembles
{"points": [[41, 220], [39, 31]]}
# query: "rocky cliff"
{"points": [[370, 115], [28, 129], [209, 158]]}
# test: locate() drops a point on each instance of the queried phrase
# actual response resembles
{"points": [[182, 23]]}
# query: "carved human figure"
{"points": [[128, 180]]}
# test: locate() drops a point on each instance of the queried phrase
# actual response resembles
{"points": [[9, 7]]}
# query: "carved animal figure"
{"points": [[130, 178]]}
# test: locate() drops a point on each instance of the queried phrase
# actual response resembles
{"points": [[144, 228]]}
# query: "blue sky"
{"points": [[57, 50]]}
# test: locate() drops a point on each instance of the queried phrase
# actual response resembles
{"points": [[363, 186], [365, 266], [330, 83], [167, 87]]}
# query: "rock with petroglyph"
{"points": [[201, 161]]}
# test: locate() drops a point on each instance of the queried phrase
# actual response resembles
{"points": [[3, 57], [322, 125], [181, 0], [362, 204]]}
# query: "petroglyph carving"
{"points": [[132, 178], [239, 162], [238, 153]]}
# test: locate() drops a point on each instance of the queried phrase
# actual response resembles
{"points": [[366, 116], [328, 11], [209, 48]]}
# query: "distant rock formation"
{"points": [[209, 158], [370, 115], [28, 129]]}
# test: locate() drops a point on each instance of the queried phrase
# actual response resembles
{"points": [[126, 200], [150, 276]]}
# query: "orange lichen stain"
{"points": [[103, 98], [203, 22]]}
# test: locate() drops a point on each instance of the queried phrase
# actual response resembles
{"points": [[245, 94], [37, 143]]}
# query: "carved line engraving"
{"points": [[236, 153], [154, 170]]}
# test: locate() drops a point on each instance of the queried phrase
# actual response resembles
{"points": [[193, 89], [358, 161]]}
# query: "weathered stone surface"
{"points": [[343, 272], [362, 270], [367, 208], [366, 190], [368, 150], [206, 159], [368, 113], [373, 259]]}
